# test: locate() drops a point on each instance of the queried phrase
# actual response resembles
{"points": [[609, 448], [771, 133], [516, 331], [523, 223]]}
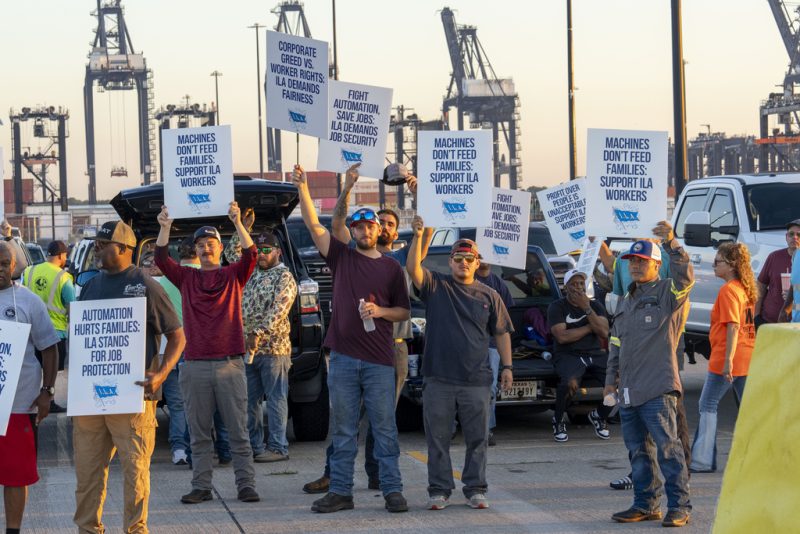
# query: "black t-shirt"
{"points": [[459, 321], [133, 282], [561, 311]]}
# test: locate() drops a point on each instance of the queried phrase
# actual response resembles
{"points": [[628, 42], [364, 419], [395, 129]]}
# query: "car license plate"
{"points": [[522, 390]]}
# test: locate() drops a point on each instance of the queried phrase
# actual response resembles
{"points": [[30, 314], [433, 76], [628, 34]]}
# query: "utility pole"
{"points": [[216, 74], [679, 99], [336, 77], [573, 162], [257, 27]]}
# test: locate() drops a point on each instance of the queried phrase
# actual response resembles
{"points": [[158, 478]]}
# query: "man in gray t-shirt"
{"points": [[462, 315]]}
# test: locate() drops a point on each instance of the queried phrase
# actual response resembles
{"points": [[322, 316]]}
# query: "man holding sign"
{"points": [[96, 437], [18, 442]]}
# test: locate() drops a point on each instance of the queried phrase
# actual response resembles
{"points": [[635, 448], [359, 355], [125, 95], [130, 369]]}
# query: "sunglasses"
{"points": [[717, 262], [793, 234], [265, 250], [458, 258], [364, 216]]}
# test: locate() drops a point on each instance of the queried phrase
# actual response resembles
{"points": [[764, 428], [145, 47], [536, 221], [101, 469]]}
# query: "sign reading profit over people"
{"points": [[564, 209], [296, 83], [198, 171], [106, 356], [626, 182], [455, 178], [13, 342], [359, 123], [505, 242]]}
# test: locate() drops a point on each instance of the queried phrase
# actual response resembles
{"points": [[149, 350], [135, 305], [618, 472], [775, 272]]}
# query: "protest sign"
{"points": [[455, 178], [359, 123], [626, 182], [505, 242], [106, 356], [564, 209], [588, 259], [2, 186], [296, 83], [198, 171], [13, 342]]}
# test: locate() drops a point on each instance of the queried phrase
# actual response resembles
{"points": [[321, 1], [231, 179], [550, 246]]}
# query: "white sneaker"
{"points": [[179, 457], [438, 502], [600, 425], [478, 501]]}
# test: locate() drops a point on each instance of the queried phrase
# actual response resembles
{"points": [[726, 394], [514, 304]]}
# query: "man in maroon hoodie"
{"points": [[213, 375]]}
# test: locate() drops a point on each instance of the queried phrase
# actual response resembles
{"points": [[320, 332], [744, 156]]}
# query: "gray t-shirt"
{"points": [[459, 322], [18, 303]]}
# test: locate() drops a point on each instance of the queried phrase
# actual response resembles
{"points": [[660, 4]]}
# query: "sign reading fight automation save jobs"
{"points": [[505, 242]]}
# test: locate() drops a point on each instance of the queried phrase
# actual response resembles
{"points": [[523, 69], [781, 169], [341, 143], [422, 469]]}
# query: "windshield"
{"points": [[300, 235], [771, 206]]}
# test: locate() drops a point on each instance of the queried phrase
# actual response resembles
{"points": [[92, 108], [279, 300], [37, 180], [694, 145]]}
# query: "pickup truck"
{"points": [[749, 208], [535, 379]]}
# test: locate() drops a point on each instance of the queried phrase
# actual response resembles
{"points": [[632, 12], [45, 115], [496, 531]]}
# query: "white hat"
{"points": [[571, 274]]}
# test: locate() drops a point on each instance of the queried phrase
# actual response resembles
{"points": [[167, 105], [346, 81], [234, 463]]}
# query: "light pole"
{"points": [[678, 98], [257, 27], [336, 77], [573, 160], [216, 74]]}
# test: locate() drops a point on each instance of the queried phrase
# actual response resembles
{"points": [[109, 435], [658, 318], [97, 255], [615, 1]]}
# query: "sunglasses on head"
{"points": [[458, 258], [364, 216], [265, 250]]}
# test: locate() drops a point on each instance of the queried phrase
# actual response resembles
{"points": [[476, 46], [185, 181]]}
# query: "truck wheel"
{"points": [[310, 419], [408, 416]]}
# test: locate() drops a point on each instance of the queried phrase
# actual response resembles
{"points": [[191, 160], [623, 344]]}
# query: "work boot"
{"points": [[332, 502], [197, 496], [395, 502], [634, 515], [321, 485]]}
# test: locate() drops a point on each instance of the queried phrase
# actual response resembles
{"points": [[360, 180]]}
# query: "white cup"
{"points": [[413, 365], [786, 281]]}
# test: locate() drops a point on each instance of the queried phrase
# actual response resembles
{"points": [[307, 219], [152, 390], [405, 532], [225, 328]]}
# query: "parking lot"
{"points": [[536, 485]]}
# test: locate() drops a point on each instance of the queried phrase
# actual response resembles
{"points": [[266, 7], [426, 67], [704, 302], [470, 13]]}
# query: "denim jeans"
{"points": [[370, 463], [352, 382], [171, 389], [656, 418], [704, 447], [494, 363], [268, 375]]}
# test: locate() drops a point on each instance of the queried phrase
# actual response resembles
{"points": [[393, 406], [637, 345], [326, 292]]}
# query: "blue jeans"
{"points": [[656, 418], [171, 389], [352, 382], [494, 363], [268, 375], [704, 447]]}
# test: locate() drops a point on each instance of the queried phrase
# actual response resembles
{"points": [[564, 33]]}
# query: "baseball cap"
{"points": [[395, 174], [206, 231], [186, 249], [117, 232], [464, 246], [795, 222], [267, 239], [56, 248], [644, 249], [364, 214], [572, 273]]}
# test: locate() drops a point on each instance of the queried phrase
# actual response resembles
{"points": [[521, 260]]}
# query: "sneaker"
{"points": [[634, 515], [320, 485], [269, 456], [492, 442], [332, 502], [179, 457], [675, 518], [599, 424], [248, 494], [624, 483], [560, 431], [197, 496], [55, 408], [438, 502], [374, 484], [478, 501], [395, 502]]}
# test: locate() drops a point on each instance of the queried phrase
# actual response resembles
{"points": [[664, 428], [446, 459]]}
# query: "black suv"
{"points": [[272, 203], [535, 379], [318, 270]]}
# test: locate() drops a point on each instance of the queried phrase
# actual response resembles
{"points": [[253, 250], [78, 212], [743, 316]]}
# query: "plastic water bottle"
{"points": [[369, 324], [546, 356]]}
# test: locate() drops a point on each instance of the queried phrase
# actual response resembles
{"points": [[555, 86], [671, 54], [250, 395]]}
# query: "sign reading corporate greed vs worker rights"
{"points": [[296, 83], [455, 178], [564, 209], [626, 182], [106, 356], [198, 171], [505, 242], [359, 124], [13, 343]]}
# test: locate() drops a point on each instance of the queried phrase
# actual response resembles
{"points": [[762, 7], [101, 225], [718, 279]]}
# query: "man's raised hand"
{"points": [[417, 225], [299, 176], [351, 176], [234, 212], [163, 218]]}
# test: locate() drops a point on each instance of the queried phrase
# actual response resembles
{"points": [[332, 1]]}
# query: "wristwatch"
{"points": [[49, 390], [588, 311], [504, 367]]}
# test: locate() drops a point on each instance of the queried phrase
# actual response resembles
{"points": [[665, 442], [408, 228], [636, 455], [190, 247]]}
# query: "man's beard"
{"points": [[368, 246], [384, 240]]}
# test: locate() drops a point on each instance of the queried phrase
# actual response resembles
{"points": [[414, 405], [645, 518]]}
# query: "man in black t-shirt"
{"points": [[578, 324]]}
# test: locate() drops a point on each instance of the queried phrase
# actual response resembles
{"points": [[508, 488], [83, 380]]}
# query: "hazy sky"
{"points": [[622, 67]]}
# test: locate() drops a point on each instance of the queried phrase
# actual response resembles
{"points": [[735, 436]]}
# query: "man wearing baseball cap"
{"points": [[642, 367], [791, 307], [461, 316]]}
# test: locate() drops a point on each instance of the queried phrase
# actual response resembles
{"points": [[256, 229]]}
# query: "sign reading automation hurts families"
{"points": [[13, 342]]}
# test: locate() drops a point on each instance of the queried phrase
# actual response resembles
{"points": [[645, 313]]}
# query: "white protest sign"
{"points": [[564, 209], [505, 242], [296, 83], [455, 178], [588, 258], [2, 186], [626, 182], [13, 342], [359, 124], [106, 356], [198, 171]]}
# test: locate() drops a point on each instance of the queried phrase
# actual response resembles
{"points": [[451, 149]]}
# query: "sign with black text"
{"points": [[505, 242], [564, 209], [13, 342]]}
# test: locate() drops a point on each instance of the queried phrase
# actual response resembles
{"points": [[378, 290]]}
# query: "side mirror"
{"points": [[697, 229], [85, 276]]}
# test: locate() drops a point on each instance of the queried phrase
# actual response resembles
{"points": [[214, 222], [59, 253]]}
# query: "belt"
{"points": [[229, 358], [399, 340]]}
